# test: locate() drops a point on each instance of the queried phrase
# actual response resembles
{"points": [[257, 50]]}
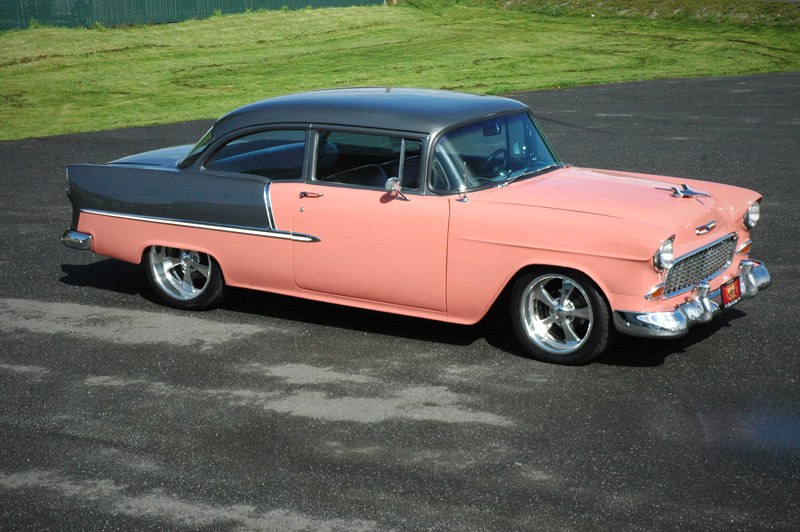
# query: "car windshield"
{"points": [[493, 152]]}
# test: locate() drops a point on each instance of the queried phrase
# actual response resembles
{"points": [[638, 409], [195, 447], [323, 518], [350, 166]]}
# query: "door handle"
{"points": [[305, 194]]}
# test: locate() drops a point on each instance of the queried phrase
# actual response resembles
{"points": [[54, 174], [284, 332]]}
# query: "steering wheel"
{"points": [[493, 165]]}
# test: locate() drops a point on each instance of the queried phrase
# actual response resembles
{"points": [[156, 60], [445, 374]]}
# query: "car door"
{"points": [[372, 245]]}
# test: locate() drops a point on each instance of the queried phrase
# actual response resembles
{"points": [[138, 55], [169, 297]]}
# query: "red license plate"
{"points": [[731, 293]]}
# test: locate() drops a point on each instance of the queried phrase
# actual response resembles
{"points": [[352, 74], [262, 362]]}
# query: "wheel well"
{"points": [[546, 326], [502, 299], [146, 250]]}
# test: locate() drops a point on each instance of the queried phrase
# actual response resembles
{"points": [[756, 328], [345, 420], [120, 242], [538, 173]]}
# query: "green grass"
{"points": [[55, 81], [735, 12]]}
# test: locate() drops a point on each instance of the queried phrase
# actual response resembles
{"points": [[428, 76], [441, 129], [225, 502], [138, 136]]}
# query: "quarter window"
{"points": [[276, 154]]}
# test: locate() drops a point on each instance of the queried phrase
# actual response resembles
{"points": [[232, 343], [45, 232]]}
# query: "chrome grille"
{"points": [[700, 265]]}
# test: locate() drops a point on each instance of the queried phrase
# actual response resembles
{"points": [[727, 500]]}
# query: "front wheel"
{"points": [[184, 278], [560, 317]]}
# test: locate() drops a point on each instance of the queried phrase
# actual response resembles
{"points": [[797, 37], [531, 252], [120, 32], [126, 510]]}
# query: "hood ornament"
{"points": [[684, 192], [703, 229]]}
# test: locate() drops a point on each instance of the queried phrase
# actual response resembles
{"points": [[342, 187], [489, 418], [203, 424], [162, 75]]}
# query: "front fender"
{"points": [[489, 243]]}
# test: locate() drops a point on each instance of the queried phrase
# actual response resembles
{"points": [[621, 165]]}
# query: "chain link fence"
{"points": [[19, 14]]}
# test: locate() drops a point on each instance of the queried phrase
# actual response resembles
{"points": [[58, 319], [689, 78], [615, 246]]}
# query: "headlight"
{"points": [[663, 256], [752, 215]]}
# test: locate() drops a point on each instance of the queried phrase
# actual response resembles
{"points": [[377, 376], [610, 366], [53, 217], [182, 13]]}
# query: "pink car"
{"points": [[424, 203]]}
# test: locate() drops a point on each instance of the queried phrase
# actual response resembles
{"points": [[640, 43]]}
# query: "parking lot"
{"points": [[273, 413]]}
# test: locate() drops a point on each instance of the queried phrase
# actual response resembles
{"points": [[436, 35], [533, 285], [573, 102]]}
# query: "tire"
{"points": [[184, 279], [560, 316]]}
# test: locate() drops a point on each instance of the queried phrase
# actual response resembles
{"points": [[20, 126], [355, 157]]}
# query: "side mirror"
{"points": [[393, 188]]}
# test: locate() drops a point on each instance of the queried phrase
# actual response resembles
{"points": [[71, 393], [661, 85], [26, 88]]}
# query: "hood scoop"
{"points": [[684, 192]]}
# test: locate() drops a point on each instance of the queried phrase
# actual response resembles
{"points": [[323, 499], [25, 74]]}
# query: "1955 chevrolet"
{"points": [[424, 203]]}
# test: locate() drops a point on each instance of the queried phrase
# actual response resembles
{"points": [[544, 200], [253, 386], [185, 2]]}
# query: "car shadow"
{"points": [[109, 274], [342, 317], [630, 351], [626, 351], [124, 278]]}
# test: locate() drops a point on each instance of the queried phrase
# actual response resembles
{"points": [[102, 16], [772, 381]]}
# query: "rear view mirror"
{"points": [[491, 131]]}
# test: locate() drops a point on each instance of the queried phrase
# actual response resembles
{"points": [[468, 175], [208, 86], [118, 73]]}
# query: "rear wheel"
{"points": [[560, 317], [184, 278]]}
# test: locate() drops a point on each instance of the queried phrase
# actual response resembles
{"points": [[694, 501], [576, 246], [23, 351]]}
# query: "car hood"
{"points": [[635, 197], [164, 156]]}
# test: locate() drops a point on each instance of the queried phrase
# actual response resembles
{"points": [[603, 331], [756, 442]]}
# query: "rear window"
{"points": [[197, 150], [275, 154]]}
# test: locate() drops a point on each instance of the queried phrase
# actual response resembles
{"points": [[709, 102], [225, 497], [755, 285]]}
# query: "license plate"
{"points": [[731, 293]]}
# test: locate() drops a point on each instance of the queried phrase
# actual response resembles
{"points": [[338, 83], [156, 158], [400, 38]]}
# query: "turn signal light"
{"points": [[656, 292], [744, 249]]}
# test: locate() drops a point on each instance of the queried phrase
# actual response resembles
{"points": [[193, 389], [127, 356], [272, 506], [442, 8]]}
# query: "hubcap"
{"points": [[556, 314], [181, 273]]}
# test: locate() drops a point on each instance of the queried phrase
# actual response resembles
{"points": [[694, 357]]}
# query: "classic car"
{"points": [[426, 203]]}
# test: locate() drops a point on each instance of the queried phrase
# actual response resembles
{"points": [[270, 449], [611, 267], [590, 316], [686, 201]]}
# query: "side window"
{"points": [[367, 160], [276, 154]]}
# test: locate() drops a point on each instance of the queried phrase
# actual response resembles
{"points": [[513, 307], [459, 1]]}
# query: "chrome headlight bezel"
{"points": [[752, 215], [664, 255]]}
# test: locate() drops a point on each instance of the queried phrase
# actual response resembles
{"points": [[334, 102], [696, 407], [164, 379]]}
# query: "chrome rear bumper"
{"points": [[753, 276], [76, 239]]}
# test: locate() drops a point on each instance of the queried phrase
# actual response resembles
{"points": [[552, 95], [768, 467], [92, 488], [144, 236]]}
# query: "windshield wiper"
{"points": [[530, 174]]}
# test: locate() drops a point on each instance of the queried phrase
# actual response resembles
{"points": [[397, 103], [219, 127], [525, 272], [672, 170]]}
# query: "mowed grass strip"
{"points": [[739, 12], [56, 81]]}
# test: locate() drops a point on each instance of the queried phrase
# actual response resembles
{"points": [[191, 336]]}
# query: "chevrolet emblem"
{"points": [[703, 229]]}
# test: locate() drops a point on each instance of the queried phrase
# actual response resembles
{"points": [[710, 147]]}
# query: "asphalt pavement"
{"points": [[273, 413]]}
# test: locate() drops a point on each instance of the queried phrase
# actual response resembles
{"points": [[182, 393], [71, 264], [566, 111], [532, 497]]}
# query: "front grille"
{"points": [[700, 265]]}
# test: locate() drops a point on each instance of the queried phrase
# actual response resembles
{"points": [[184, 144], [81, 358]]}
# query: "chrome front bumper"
{"points": [[753, 276], [76, 239]]}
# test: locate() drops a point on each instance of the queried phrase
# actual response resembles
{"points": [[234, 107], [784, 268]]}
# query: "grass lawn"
{"points": [[55, 81]]}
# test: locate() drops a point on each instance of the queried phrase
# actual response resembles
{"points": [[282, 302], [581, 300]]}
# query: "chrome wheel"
{"points": [[181, 274], [560, 315], [556, 315]]}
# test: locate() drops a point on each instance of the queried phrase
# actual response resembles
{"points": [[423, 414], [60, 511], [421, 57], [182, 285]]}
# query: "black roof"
{"points": [[413, 110]]}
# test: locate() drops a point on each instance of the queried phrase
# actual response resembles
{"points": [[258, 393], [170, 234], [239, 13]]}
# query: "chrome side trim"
{"points": [[268, 233], [76, 240], [753, 277], [268, 206]]}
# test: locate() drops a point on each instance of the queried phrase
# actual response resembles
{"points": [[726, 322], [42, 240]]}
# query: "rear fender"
{"points": [[167, 192]]}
